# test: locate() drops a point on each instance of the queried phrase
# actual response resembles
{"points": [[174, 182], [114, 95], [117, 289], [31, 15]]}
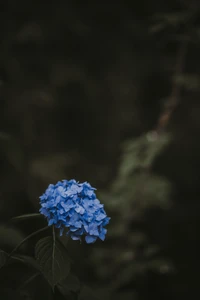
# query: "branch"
{"points": [[174, 98]]}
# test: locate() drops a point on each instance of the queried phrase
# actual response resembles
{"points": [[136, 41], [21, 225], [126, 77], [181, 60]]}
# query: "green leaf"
{"points": [[28, 260], [9, 238], [26, 239], [20, 258], [53, 260], [87, 293], [68, 285], [3, 258], [10, 255], [26, 216]]}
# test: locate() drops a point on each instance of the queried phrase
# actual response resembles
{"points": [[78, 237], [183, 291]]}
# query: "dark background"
{"points": [[78, 79]]}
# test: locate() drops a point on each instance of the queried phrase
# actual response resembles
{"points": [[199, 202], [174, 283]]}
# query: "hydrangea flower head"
{"points": [[73, 205]]}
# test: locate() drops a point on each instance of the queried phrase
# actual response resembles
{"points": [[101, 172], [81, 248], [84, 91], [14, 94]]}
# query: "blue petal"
{"points": [[93, 229], [90, 239], [100, 216], [79, 209], [51, 222], [61, 231], [75, 238], [102, 234]]}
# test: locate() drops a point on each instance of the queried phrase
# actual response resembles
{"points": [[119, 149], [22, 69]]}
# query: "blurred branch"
{"points": [[174, 99]]}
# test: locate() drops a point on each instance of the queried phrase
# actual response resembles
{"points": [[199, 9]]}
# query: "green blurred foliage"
{"points": [[135, 191], [82, 88]]}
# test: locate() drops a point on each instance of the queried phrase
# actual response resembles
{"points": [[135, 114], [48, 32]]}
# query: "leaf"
{"points": [[69, 284], [28, 260], [3, 258], [26, 216], [87, 293], [10, 255], [9, 238], [26, 239], [53, 260]]}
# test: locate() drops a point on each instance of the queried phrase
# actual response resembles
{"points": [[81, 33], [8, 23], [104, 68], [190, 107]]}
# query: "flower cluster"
{"points": [[74, 205]]}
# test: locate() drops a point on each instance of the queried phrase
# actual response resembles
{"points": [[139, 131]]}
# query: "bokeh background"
{"points": [[107, 92]]}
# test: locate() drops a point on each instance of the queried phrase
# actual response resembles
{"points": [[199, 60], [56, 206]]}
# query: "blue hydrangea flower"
{"points": [[73, 205]]}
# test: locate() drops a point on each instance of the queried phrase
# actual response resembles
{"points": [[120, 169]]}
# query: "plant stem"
{"points": [[53, 254]]}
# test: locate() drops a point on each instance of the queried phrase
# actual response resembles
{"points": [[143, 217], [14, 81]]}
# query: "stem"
{"points": [[53, 254], [174, 98]]}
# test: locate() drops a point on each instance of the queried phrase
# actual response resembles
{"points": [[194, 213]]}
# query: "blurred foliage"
{"points": [[135, 191], [83, 87]]}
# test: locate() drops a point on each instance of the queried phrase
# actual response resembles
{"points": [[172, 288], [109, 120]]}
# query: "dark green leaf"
{"points": [[10, 255], [26, 239], [53, 260], [69, 284], [3, 258], [86, 293], [9, 238], [28, 260], [27, 216]]}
